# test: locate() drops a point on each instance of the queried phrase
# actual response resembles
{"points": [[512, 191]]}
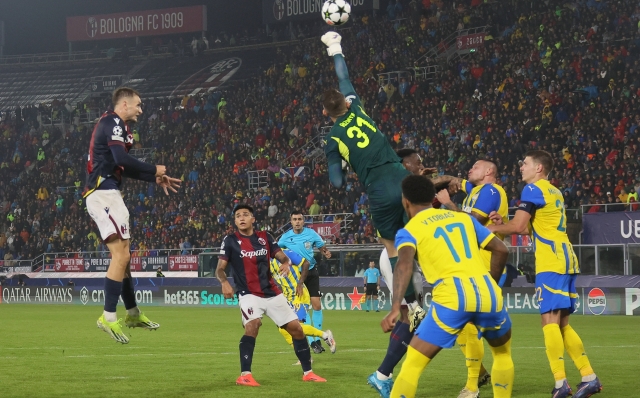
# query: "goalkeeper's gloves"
{"points": [[332, 41]]}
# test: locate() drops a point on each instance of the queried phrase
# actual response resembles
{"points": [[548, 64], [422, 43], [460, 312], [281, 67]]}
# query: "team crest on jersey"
{"points": [[250, 310], [307, 245], [475, 197], [123, 229], [262, 242]]}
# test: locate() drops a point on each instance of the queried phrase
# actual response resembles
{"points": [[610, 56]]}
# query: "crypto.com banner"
{"points": [[614, 227], [137, 23]]}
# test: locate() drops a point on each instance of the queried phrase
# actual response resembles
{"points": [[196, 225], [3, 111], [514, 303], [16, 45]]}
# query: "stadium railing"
{"points": [[613, 259]]}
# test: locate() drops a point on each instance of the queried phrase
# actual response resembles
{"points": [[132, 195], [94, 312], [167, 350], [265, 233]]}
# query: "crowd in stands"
{"points": [[564, 77]]}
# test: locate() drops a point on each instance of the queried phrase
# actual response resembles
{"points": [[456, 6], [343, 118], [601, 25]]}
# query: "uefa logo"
{"points": [[278, 9], [92, 27], [596, 301]]}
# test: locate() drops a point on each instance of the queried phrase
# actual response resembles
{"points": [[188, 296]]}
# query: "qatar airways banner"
{"points": [[137, 23], [326, 229], [466, 42], [614, 227], [295, 10]]}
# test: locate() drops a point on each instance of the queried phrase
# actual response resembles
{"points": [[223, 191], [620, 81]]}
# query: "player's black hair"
{"points": [[405, 152], [123, 92], [241, 206], [418, 190], [541, 157], [296, 212]]}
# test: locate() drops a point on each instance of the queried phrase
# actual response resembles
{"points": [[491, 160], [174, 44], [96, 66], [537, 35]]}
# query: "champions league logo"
{"points": [[382, 299], [92, 27], [84, 295], [278, 9]]}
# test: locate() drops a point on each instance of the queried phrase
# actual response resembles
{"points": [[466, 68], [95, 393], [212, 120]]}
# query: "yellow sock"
{"points": [[575, 348], [555, 350], [462, 341], [406, 383], [474, 353], [311, 331], [502, 371], [286, 335]]}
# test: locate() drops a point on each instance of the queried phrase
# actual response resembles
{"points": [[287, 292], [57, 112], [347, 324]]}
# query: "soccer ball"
{"points": [[336, 12]]}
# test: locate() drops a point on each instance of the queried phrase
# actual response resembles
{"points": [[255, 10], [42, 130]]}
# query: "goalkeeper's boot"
{"points": [[332, 41], [247, 380], [588, 388], [465, 393], [383, 387], [562, 392], [415, 317], [331, 342], [113, 329], [140, 321]]}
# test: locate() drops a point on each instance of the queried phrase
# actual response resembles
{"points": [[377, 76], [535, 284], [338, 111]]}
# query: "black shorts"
{"points": [[372, 289], [313, 282]]}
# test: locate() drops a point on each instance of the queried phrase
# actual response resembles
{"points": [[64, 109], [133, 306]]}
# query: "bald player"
{"points": [[484, 195]]}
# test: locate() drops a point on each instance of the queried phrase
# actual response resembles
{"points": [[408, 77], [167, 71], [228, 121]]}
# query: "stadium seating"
{"points": [[563, 79]]}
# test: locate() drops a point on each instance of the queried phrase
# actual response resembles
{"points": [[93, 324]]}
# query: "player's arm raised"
{"points": [[227, 290], [401, 278]]}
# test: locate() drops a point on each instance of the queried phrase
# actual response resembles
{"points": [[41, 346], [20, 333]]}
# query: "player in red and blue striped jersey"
{"points": [[249, 253]]}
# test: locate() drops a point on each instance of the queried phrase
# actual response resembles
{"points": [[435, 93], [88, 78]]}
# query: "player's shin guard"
{"points": [[406, 383], [317, 320], [303, 352], [575, 348], [474, 352], [555, 350], [502, 372], [129, 295], [398, 343], [247, 345]]}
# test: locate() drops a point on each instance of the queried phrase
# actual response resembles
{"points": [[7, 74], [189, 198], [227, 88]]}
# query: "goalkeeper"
{"points": [[356, 139], [300, 304]]}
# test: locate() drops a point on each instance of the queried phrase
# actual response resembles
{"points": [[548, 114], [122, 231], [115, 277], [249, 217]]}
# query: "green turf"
{"points": [[57, 351]]}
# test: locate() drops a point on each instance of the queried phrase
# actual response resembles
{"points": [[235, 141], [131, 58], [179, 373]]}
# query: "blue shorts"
{"points": [[556, 292], [301, 311], [442, 325]]}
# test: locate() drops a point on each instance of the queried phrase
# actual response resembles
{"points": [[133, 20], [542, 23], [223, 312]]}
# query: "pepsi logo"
{"points": [[596, 301]]}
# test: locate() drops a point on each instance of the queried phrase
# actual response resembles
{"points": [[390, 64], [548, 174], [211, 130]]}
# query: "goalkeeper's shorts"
{"points": [[385, 199]]}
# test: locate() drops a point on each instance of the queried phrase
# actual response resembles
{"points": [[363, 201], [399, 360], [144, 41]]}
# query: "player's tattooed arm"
{"points": [[401, 278], [303, 277], [445, 199], [453, 184], [227, 290]]}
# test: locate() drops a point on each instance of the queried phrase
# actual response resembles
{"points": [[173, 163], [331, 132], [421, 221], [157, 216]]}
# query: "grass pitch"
{"points": [[57, 351]]}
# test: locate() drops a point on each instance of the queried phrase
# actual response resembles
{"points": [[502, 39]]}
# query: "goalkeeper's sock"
{"points": [[112, 291], [317, 320], [473, 354], [406, 383], [247, 345], [129, 296], [398, 343]]}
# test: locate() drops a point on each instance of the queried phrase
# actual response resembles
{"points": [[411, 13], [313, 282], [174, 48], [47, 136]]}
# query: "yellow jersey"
{"points": [[553, 250], [289, 283], [483, 199], [447, 245]]}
